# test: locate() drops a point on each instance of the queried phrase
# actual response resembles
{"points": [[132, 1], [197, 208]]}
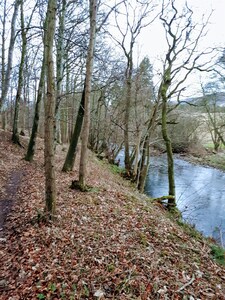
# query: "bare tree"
{"points": [[182, 58], [89, 69], [214, 120]]}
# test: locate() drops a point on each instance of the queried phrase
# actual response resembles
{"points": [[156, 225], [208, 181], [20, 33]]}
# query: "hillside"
{"points": [[211, 99], [109, 243]]}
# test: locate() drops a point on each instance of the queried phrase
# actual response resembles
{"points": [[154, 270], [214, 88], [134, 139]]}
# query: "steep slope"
{"points": [[108, 243]]}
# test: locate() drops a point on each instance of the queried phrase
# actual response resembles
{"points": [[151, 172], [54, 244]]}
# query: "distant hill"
{"points": [[218, 98]]}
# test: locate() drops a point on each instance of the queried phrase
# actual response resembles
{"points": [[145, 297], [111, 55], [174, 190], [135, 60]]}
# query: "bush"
{"points": [[183, 133]]}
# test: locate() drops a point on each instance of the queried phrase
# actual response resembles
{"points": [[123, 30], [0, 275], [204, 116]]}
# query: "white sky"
{"points": [[152, 41]]}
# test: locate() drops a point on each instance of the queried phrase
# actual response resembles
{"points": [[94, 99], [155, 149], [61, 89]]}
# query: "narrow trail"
{"points": [[9, 197]]}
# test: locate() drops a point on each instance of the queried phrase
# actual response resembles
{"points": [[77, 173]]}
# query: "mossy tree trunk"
{"points": [[71, 153], [163, 92], [179, 30]]}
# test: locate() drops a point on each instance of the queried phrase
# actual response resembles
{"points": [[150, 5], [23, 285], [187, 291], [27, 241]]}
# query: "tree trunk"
{"points": [[50, 185], [145, 158], [3, 50], [59, 70], [127, 112], [31, 147], [144, 165], [71, 154], [137, 152], [89, 70], [169, 151], [15, 135]]}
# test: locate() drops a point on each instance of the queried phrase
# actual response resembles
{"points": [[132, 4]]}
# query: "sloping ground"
{"points": [[10, 173], [109, 243]]}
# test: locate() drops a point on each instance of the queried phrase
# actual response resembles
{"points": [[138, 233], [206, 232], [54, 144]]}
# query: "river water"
{"points": [[200, 193]]}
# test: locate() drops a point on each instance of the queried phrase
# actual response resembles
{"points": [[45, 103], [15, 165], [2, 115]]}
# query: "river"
{"points": [[200, 193]]}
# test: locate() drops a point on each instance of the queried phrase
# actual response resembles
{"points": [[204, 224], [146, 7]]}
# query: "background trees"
{"points": [[101, 76], [129, 26]]}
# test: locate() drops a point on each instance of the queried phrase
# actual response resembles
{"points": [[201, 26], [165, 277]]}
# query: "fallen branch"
{"points": [[169, 197], [186, 284]]}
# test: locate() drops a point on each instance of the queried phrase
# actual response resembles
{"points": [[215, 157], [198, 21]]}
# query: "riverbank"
{"points": [[210, 158], [201, 156], [108, 243]]}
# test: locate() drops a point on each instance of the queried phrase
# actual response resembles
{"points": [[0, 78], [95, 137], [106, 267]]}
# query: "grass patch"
{"points": [[218, 253], [189, 229], [117, 170], [217, 161], [211, 146]]}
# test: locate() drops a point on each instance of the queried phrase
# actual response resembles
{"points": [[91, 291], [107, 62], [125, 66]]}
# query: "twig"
{"points": [[186, 284]]}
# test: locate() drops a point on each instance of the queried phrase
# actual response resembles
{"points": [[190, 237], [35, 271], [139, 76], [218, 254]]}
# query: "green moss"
{"points": [[176, 214], [111, 267], [218, 253], [116, 169]]}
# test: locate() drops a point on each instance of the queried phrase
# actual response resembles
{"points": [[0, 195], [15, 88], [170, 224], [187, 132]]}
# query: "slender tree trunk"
{"points": [[169, 151], [3, 47], [50, 185], [137, 152], [71, 154], [15, 135], [59, 70], [31, 147], [145, 158], [127, 112], [89, 70], [5, 86]]}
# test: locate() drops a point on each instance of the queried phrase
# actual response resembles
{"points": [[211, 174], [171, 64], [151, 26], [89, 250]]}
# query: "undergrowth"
{"points": [[218, 253]]}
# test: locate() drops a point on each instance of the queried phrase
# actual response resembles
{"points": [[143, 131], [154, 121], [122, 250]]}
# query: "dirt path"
{"points": [[9, 197]]}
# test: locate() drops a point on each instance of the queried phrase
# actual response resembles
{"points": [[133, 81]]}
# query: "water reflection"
{"points": [[200, 192]]}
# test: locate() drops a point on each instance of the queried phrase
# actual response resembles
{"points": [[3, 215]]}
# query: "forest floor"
{"points": [[108, 243]]}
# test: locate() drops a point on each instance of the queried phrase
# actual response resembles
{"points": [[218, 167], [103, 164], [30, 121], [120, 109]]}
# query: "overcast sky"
{"points": [[153, 42]]}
